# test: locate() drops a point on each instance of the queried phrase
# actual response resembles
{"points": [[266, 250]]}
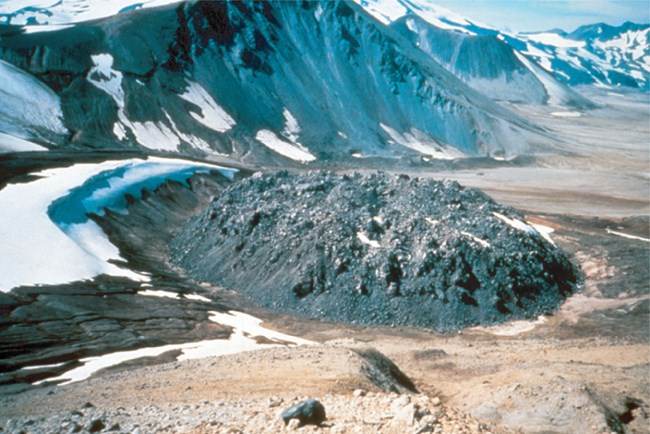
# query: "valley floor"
{"points": [[583, 369]]}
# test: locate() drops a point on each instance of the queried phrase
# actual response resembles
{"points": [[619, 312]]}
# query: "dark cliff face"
{"points": [[209, 76]]}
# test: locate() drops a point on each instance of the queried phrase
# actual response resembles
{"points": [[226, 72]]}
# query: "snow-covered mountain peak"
{"points": [[388, 11], [61, 12]]}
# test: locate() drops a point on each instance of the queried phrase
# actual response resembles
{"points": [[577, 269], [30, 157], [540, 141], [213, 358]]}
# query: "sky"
{"points": [[539, 15]]}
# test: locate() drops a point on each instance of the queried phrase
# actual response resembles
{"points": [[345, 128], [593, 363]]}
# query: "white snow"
{"points": [[378, 219], [431, 221], [53, 365], [555, 40], [198, 297], [45, 28], [512, 328], [624, 235], [158, 293], [291, 126], [154, 135], [103, 76], [568, 114], [387, 11], [213, 115], [365, 240], [37, 251], [245, 327], [422, 143], [477, 239], [10, 143], [70, 11], [517, 224], [293, 151], [544, 231], [554, 90], [27, 104]]}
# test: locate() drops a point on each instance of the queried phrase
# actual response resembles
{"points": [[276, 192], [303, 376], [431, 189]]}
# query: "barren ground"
{"points": [[584, 369]]}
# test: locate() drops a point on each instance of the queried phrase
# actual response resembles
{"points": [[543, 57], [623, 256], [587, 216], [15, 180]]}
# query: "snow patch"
{"points": [[422, 143], [517, 224], [9, 143], [291, 126], [544, 231], [566, 114], [36, 249], [197, 297], [477, 239], [158, 293], [365, 240], [293, 151], [245, 328], [212, 115]]}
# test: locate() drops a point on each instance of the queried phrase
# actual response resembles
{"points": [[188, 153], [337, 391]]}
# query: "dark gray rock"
{"points": [[308, 412], [374, 249]]}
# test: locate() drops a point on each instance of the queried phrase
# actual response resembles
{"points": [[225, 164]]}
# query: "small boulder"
{"points": [[96, 425], [308, 412]]}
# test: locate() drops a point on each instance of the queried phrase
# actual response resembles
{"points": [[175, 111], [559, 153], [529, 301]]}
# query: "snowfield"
{"points": [[246, 329], [45, 233]]}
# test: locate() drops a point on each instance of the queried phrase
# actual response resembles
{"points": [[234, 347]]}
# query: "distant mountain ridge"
{"points": [[271, 82]]}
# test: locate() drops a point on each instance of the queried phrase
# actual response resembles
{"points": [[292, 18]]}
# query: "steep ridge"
{"points": [[327, 80]]}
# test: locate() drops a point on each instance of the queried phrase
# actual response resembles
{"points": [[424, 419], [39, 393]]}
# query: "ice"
{"points": [[245, 329], [34, 249], [45, 234], [212, 116], [290, 150], [365, 240], [158, 293]]}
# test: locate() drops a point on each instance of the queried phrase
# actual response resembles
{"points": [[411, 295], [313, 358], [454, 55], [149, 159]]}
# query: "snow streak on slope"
{"points": [[45, 232], [152, 135], [212, 116], [28, 108], [294, 151]]}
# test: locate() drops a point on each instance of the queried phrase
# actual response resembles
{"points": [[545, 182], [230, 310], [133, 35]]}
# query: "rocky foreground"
{"points": [[375, 249]]}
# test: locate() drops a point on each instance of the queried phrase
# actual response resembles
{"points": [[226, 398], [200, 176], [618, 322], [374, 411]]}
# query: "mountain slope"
{"points": [[262, 82]]}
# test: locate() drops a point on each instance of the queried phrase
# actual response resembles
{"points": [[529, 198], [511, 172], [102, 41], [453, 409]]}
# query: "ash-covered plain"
{"points": [[375, 249]]}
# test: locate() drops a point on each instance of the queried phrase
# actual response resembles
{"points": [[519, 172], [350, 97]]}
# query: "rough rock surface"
{"points": [[375, 249]]}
